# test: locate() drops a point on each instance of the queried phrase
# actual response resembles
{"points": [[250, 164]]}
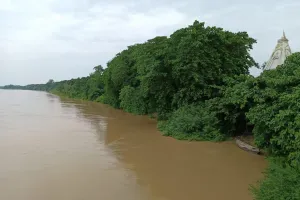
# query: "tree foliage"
{"points": [[187, 67], [282, 182], [276, 94], [276, 119], [193, 122]]}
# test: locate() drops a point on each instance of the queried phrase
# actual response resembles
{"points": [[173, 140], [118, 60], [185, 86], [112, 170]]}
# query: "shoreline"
{"points": [[240, 142]]}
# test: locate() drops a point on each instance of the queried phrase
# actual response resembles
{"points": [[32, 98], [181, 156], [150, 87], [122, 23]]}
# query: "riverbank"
{"points": [[249, 140]]}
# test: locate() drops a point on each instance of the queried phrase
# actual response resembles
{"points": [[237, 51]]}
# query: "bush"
{"points": [[193, 122], [132, 100], [276, 111], [282, 182], [276, 120]]}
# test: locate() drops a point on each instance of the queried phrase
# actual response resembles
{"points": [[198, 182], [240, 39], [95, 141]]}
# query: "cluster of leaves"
{"points": [[164, 74], [276, 109], [217, 118], [282, 182], [273, 100], [86, 88], [192, 122]]}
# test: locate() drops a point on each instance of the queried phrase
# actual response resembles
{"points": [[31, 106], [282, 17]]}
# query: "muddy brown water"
{"points": [[53, 148]]}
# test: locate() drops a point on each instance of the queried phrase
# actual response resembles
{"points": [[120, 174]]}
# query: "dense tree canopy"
{"points": [[276, 94], [167, 73]]}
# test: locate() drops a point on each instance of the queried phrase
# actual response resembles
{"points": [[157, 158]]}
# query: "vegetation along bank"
{"points": [[197, 83]]}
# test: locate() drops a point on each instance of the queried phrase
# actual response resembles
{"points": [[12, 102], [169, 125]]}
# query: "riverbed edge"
{"points": [[180, 137]]}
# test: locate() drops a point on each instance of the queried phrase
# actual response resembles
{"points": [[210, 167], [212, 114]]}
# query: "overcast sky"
{"points": [[63, 39]]}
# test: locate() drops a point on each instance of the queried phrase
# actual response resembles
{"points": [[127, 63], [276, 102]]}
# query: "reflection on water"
{"points": [[53, 148]]}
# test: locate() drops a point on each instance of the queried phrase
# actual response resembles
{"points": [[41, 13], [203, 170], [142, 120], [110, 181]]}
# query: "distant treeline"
{"points": [[27, 87], [198, 85]]}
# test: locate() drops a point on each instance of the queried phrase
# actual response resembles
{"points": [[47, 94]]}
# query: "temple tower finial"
{"points": [[280, 53]]}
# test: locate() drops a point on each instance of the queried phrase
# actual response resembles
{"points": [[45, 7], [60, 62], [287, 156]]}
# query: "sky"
{"points": [[64, 39]]}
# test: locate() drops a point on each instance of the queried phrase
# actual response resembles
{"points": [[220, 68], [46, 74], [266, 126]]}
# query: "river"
{"points": [[62, 149]]}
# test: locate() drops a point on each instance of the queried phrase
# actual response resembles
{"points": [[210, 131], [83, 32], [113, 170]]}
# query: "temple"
{"points": [[280, 53]]}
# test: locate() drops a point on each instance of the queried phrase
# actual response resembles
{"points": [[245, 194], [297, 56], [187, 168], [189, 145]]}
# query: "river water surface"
{"points": [[58, 149]]}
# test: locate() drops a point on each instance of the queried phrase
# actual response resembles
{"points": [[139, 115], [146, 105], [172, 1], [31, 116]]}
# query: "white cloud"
{"points": [[6, 5], [62, 39]]}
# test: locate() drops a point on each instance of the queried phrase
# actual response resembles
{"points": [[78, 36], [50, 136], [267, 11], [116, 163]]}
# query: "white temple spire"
{"points": [[284, 35], [280, 53]]}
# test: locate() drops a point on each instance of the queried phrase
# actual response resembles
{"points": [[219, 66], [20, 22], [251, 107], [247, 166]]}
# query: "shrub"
{"points": [[275, 114], [282, 182], [193, 122], [132, 100]]}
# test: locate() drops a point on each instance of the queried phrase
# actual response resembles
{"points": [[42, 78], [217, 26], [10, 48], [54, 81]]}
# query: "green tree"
{"points": [[99, 69], [276, 110]]}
